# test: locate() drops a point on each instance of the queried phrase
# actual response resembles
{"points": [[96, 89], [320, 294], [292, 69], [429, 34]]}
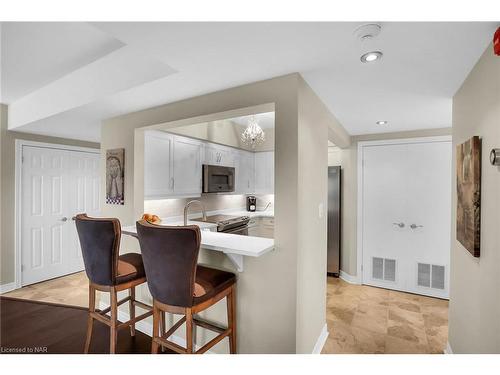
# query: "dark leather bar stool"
{"points": [[180, 286], [109, 272]]}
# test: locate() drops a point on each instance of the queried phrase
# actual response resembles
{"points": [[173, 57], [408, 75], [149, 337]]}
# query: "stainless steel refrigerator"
{"points": [[334, 180]]}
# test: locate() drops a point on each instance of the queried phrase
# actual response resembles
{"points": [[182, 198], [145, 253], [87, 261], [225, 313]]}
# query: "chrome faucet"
{"points": [[267, 206], [186, 207]]}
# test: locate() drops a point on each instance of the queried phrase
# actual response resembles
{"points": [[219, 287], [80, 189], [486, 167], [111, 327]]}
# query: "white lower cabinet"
{"points": [[261, 227]]}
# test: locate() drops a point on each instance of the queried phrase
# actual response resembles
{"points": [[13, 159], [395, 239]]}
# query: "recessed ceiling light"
{"points": [[381, 122], [371, 56]]}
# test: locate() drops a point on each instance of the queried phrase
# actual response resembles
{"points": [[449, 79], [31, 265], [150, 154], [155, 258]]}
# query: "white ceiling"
{"points": [[411, 87], [35, 54]]}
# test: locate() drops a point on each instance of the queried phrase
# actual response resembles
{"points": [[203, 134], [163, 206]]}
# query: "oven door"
{"points": [[218, 179], [242, 231]]}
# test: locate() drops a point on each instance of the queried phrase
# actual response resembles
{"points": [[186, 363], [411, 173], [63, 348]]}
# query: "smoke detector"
{"points": [[367, 31]]}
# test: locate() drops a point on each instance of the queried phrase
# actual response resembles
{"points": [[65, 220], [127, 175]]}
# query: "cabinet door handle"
{"points": [[401, 225], [415, 226], [171, 182]]}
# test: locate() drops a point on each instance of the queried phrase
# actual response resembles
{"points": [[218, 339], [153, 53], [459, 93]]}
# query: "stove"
{"points": [[226, 223]]}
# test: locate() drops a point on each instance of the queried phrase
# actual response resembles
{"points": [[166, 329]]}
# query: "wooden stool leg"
{"points": [[231, 318], [189, 331], [131, 309], [90, 320], [156, 329], [163, 324], [114, 319], [195, 333], [163, 327]]}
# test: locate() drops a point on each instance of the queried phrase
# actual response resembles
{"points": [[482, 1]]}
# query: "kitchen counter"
{"points": [[179, 220], [266, 213], [234, 246]]}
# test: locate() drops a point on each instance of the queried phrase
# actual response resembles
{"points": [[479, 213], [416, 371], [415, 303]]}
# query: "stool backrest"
{"points": [[170, 256], [100, 243]]}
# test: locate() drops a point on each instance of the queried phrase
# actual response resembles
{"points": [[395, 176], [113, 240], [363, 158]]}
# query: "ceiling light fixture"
{"points": [[367, 31], [253, 134], [371, 56], [382, 122]]}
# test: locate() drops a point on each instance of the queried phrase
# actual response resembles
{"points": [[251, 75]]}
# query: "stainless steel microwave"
{"points": [[218, 179]]}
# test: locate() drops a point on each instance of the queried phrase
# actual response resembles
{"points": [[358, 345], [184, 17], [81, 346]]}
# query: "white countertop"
{"points": [[266, 213], [236, 244], [233, 212], [224, 242], [203, 225], [179, 220]]}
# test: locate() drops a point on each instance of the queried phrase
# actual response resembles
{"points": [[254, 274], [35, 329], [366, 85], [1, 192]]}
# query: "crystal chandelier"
{"points": [[253, 134]]}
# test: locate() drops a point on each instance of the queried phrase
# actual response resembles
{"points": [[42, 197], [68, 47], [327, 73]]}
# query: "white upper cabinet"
{"points": [[158, 164], [187, 166], [218, 155], [264, 172], [172, 165], [245, 172]]}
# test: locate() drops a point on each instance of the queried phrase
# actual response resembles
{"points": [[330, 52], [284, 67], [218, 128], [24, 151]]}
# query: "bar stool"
{"points": [[109, 272], [180, 286]]}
